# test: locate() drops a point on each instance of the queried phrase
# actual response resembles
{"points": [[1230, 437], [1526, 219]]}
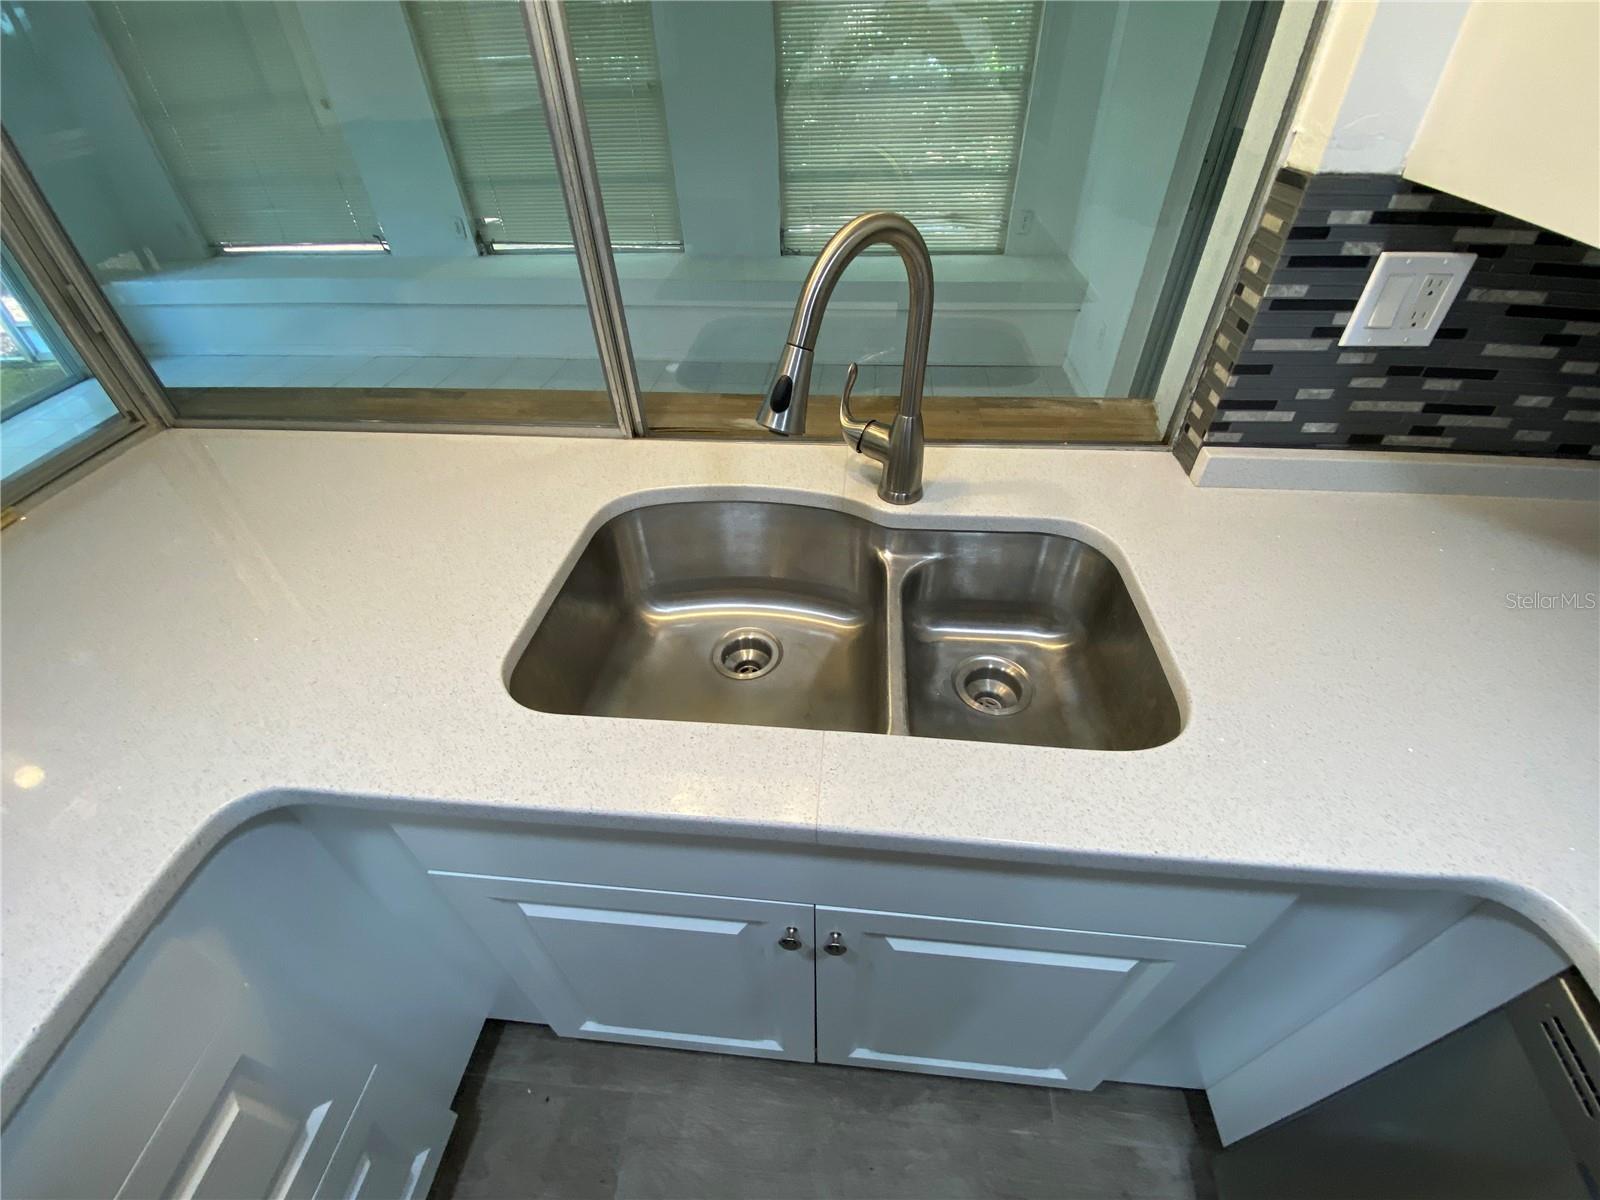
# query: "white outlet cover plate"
{"points": [[1406, 298]]}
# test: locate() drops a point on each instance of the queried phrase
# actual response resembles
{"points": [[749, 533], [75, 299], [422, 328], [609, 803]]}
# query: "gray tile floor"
{"points": [[547, 1117]]}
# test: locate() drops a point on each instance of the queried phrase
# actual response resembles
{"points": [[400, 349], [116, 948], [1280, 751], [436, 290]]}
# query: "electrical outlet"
{"points": [[1406, 298], [1429, 300]]}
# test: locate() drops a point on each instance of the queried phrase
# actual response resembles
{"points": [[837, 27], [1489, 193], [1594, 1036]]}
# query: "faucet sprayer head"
{"points": [[784, 409]]}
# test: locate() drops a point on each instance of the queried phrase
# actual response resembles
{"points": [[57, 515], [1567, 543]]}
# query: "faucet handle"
{"points": [[846, 417], [865, 437]]}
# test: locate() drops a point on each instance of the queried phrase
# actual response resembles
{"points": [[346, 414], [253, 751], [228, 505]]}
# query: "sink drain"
{"points": [[994, 686], [746, 654]]}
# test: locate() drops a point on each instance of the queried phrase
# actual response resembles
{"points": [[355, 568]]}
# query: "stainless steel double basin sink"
{"points": [[759, 613]]}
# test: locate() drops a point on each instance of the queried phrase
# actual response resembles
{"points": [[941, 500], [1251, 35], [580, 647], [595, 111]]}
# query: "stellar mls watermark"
{"points": [[1553, 600]]}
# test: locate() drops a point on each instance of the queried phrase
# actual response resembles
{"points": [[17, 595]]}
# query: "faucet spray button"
{"points": [[778, 398]]}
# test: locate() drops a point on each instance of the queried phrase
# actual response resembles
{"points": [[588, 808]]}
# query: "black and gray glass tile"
{"points": [[1515, 369]]}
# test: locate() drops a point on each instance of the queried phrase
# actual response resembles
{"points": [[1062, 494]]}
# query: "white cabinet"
{"points": [[660, 968], [297, 1020], [1020, 1003], [280, 1032]]}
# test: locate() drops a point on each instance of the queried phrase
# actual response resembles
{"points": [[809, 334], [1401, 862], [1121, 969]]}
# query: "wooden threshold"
{"points": [[946, 418]]}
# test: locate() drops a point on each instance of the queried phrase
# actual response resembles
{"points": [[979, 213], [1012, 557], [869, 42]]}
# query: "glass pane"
{"points": [[48, 402], [1057, 156], [31, 368], [293, 205]]}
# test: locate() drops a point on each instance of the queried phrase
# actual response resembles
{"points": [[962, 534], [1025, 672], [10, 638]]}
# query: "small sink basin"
{"points": [[1029, 638], [775, 614]]}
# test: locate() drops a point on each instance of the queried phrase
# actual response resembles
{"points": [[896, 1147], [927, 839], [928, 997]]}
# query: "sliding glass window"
{"points": [[349, 211], [49, 403], [292, 206]]}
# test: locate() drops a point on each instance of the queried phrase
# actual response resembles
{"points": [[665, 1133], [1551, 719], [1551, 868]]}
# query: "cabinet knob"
{"points": [[835, 945], [790, 939]]}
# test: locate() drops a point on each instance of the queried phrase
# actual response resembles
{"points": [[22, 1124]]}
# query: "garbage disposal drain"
{"points": [[746, 654], [994, 686]]}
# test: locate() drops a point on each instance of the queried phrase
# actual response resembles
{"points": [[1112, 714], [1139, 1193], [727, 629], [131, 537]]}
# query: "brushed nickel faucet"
{"points": [[899, 446]]}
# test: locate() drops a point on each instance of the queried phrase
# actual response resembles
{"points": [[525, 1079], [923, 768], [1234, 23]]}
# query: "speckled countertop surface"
{"points": [[216, 621]]}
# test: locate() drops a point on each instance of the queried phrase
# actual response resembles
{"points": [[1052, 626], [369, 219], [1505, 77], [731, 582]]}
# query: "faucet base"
{"points": [[900, 497]]}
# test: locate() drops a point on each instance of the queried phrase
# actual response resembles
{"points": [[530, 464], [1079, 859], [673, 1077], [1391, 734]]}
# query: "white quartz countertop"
{"points": [[220, 622]]}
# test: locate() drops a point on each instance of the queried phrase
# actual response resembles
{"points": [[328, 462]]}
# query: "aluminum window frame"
{"points": [[1263, 149], [63, 283]]}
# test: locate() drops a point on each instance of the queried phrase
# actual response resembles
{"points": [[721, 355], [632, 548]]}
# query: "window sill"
{"points": [[648, 279]]}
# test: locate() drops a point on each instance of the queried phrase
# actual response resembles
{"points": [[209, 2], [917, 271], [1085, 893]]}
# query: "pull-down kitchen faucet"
{"points": [[898, 447]]}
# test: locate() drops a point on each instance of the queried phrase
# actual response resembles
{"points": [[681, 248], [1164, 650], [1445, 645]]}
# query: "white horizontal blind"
{"points": [[916, 107], [614, 45], [481, 72], [236, 106]]}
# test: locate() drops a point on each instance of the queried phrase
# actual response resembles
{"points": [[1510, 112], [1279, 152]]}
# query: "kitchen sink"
{"points": [[756, 613]]}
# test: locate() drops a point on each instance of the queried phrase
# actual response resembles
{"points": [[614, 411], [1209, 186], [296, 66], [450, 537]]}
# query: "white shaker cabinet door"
{"points": [[391, 1148], [93, 1112], [259, 1115], [660, 968], [1020, 1003]]}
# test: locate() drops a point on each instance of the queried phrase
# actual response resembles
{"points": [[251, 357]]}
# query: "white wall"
{"points": [[1375, 70], [1135, 184], [377, 87], [722, 123], [1515, 121], [1069, 71], [1496, 101]]}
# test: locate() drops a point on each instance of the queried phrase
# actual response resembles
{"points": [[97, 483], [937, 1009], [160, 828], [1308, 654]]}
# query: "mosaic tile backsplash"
{"points": [[1515, 368]]}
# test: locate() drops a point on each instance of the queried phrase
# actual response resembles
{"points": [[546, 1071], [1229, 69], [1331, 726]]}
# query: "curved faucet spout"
{"points": [[899, 448]]}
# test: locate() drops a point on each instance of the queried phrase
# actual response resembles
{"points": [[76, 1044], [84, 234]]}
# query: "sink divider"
{"points": [[896, 568]]}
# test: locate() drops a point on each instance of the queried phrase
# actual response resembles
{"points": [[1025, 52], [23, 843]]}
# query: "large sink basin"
{"points": [[777, 614]]}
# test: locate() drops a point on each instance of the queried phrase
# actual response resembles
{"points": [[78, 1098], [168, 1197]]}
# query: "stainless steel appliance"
{"points": [[1507, 1108]]}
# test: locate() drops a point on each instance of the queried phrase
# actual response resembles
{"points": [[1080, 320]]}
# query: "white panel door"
{"points": [[661, 968], [259, 1115], [93, 1112], [1058, 1007], [391, 1148]]}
